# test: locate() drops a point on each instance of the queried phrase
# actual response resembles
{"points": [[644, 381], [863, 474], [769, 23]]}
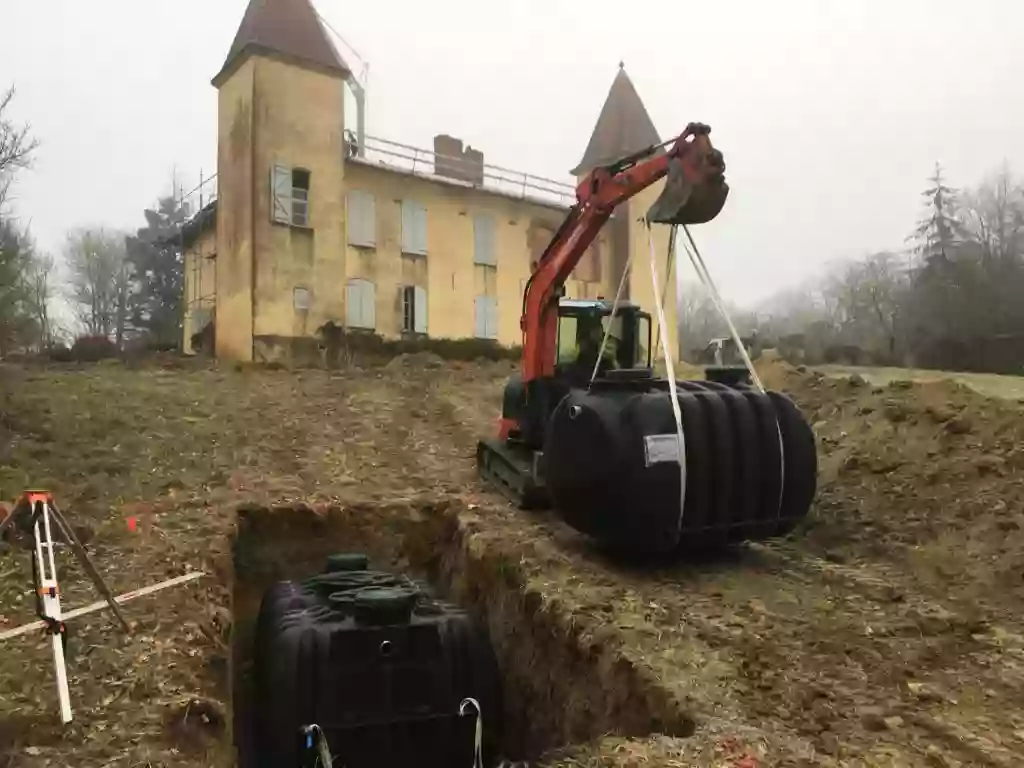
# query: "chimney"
{"points": [[454, 162]]}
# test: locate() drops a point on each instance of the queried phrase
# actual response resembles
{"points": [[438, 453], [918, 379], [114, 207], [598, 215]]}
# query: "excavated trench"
{"points": [[557, 690]]}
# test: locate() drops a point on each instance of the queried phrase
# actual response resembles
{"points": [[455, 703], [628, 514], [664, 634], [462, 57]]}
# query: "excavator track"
{"points": [[509, 472]]}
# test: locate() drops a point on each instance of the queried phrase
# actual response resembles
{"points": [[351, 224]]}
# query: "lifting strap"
{"points": [[659, 301], [478, 733], [705, 277], [611, 318]]}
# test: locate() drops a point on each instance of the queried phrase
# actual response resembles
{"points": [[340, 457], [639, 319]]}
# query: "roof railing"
{"points": [[461, 170]]}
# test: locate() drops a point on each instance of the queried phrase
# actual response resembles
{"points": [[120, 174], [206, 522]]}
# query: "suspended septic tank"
{"points": [[745, 468]]}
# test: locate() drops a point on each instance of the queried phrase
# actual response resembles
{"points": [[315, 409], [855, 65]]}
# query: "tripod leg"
{"points": [[83, 558], [20, 508], [7, 522]]}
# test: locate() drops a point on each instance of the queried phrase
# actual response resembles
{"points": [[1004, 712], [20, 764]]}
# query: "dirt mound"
{"points": [[887, 632], [932, 471], [416, 361]]}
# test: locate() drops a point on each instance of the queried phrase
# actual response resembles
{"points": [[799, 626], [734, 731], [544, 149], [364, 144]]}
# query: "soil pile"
{"points": [[887, 632]]}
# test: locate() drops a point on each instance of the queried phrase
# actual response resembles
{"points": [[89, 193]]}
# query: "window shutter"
{"points": [[480, 317], [362, 219], [408, 225], [483, 241], [421, 229], [369, 308], [369, 219], [492, 318], [281, 194], [414, 228], [355, 218], [419, 306], [352, 299], [361, 304]]}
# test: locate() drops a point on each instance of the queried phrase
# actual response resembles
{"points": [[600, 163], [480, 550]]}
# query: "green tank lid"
{"points": [[346, 561], [384, 605]]}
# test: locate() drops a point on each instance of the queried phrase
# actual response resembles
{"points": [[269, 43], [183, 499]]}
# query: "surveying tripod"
{"points": [[35, 512]]}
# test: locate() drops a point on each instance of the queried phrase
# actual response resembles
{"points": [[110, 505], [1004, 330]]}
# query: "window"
{"points": [[414, 309], [486, 317], [630, 348], [414, 228], [360, 304], [643, 342], [301, 299], [567, 346], [362, 219], [483, 241], [289, 192]]}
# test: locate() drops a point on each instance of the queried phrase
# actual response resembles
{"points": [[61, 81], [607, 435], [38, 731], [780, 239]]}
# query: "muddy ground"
{"points": [[887, 632]]}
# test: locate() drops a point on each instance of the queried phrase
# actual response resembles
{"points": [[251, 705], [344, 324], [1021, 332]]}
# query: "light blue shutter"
{"points": [[362, 219], [354, 221], [369, 215], [369, 305], [360, 304], [408, 227], [483, 240], [480, 317], [414, 228], [421, 230], [492, 318], [281, 194], [419, 305], [485, 317], [352, 300]]}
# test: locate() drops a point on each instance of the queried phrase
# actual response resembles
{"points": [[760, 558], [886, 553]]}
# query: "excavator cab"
{"points": [[583, 324]]}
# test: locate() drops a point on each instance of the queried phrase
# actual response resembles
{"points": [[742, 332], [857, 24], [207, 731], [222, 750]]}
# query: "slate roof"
{"points": [[290, 28], [623, 127]]}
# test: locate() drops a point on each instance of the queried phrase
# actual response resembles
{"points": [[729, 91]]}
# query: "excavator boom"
{"points": [[694, 193]]}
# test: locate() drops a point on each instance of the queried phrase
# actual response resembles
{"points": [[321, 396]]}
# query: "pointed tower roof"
{"points": [[289, 28], [622, 127]]}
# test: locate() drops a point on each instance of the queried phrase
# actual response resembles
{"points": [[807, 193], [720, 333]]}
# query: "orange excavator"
{"points": [[596, 436]]}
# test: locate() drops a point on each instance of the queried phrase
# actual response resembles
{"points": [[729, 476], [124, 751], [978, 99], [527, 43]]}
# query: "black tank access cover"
{"points": [[379, 665]]}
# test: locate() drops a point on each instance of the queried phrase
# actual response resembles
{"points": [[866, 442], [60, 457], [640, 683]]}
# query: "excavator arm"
{"points": [[694, 193]]}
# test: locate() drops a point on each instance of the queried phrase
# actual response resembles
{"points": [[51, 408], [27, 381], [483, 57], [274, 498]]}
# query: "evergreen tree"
{"points": [[939, 232], [157, 273]]}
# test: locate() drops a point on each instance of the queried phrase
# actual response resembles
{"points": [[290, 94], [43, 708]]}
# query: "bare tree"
{"points": [[696, 316], [16, 145], [700, 322], [98, 282], [993, 216], [870, 295], [40, 291], [15, 307]]}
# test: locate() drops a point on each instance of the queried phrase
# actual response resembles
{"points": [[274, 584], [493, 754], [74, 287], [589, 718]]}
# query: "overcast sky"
{"points": [[831, 114]]}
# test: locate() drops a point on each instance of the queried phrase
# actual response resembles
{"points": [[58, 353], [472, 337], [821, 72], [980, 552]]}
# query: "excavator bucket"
{"points": [[691, 195]]}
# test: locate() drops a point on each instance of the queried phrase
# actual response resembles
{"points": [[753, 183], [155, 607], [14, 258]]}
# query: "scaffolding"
{"points": [[199, 255]]}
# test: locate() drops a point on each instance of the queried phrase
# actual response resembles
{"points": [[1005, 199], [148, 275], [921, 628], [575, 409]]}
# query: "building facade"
{"points": [[313, 225]]}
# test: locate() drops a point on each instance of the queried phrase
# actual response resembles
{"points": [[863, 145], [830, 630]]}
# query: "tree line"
{"points": [[949, 298], [122, 288]]}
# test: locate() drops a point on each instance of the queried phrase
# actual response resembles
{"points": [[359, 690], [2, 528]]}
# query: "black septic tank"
{"points": [[612, 470], [373, 663]]}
